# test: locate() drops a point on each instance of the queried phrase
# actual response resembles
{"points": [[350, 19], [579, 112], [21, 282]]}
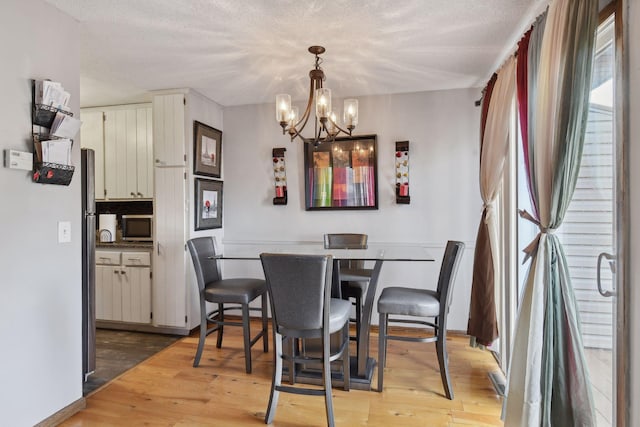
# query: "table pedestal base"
{"points": [[313, 375]]}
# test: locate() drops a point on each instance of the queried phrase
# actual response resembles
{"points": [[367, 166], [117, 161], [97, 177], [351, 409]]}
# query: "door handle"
{"points": [[611, 259]]}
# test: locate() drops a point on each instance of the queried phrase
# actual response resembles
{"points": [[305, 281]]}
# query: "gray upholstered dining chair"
{"points": [[421, 303], [228, 294], [354, 277], [302, 308]]}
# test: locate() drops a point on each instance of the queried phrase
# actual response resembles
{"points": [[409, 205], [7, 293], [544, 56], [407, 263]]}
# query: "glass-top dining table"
{"points": [[362, 364]]}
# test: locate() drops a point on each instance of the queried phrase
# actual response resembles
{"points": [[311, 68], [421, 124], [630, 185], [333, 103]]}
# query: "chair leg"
{"points": [[292, 363], [443, 361], [358, 318], [265, 324], [246, 331], [276, 379], [220, 326], [382, 348], [203, 333], [346, 362], [326, 370]]}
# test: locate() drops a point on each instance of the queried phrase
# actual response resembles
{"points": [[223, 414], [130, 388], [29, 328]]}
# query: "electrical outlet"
{"points": [[64, 231]]}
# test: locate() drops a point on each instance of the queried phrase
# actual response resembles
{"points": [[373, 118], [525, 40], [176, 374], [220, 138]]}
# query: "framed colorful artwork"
{"points": [[342, 174]]}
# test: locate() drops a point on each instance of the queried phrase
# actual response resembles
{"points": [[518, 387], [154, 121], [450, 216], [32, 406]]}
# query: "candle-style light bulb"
{"points": [[332, 124], [323, 102], [350, 113], [283, 106], [293, 116]]}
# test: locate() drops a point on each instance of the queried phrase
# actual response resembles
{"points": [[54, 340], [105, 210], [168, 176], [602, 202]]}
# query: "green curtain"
{"points": [[548, 378]]}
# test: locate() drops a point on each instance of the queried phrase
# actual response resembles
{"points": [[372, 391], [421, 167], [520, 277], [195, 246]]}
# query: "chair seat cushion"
{"points": [[409, 302], [355, 274], [237, 290], [338, 317]]}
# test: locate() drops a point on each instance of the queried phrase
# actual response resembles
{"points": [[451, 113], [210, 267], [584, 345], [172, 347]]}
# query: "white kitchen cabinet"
{"points": [[108, 293], [92, 136], [170, 211], [128, 152], [123, 285], [169, 130], [169, 256], [175, 295]]}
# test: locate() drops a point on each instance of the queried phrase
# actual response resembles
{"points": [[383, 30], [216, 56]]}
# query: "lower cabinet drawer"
{"points": [[108, 257], [136, 258]]}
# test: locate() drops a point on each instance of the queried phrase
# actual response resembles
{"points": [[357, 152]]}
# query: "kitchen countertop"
{"points": [[124, 245]]}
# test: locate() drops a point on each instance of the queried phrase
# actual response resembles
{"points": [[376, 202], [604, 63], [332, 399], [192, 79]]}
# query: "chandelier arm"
{"points": [[307, 112], [346, 132], [296, 133]]}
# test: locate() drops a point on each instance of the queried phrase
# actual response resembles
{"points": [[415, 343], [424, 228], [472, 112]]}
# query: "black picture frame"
{"points": [[342, 174], [208, 204], [207, 150]]}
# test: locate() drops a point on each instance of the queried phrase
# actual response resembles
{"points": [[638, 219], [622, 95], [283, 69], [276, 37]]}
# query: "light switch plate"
{"points": [[15, 159], [64, 231]]}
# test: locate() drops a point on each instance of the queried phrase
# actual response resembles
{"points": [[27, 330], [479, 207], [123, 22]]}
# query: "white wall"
{"points": [[442, 128], [633, 50], [40, 285]]}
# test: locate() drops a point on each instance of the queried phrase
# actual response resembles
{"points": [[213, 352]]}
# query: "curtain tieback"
{"points": [[487, 208], [532, 247]]}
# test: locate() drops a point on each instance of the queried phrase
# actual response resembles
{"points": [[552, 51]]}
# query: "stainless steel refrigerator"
{"points": [[88, 263]]}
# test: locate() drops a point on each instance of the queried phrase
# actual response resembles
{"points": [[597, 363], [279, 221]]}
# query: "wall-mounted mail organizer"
{"points": [[279, 176], [53, 126], [402, 172]]}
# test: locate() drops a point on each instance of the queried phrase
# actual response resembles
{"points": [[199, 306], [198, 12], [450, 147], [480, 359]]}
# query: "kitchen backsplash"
{"points": [[134, 207]]}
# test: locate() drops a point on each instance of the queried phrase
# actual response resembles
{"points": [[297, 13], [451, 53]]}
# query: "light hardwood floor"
{"points": [[166, 390]]}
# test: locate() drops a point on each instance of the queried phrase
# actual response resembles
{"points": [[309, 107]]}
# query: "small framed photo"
{"points": [[208, 204], [207, 150]]}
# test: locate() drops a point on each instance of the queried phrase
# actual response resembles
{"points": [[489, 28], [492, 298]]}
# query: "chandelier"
{"points": [[326, 124]]}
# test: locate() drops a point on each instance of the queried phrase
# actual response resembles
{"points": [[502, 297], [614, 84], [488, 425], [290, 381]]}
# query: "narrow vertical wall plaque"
{"points": [[402, 172], [279, 176]]}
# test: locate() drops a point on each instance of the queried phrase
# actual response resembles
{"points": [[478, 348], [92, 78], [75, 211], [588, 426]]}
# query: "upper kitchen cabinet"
{"points": [[122, 139], [128, 153], [92, 136], [169, 130]]}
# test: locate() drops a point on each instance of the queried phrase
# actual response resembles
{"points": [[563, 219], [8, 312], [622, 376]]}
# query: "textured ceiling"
{"points": [[246, 51]]}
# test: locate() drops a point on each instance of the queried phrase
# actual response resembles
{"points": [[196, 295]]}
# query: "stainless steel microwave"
{"points": [[137, 227]]}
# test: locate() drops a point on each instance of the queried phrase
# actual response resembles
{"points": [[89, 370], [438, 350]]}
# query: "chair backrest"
{"points": [[448, 270], [347, 241], [205, 265], [299, 288]]}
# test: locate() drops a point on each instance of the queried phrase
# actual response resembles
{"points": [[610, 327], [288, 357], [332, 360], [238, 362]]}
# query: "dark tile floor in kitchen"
{"points": [[118, 351]]}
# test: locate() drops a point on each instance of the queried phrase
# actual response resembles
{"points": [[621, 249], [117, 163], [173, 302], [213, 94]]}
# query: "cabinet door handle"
{"points": [[115, 271], [140, 194], [133, 194]]}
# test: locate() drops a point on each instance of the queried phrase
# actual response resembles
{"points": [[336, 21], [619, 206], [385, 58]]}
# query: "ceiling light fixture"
{"points": [[326, 124]]}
